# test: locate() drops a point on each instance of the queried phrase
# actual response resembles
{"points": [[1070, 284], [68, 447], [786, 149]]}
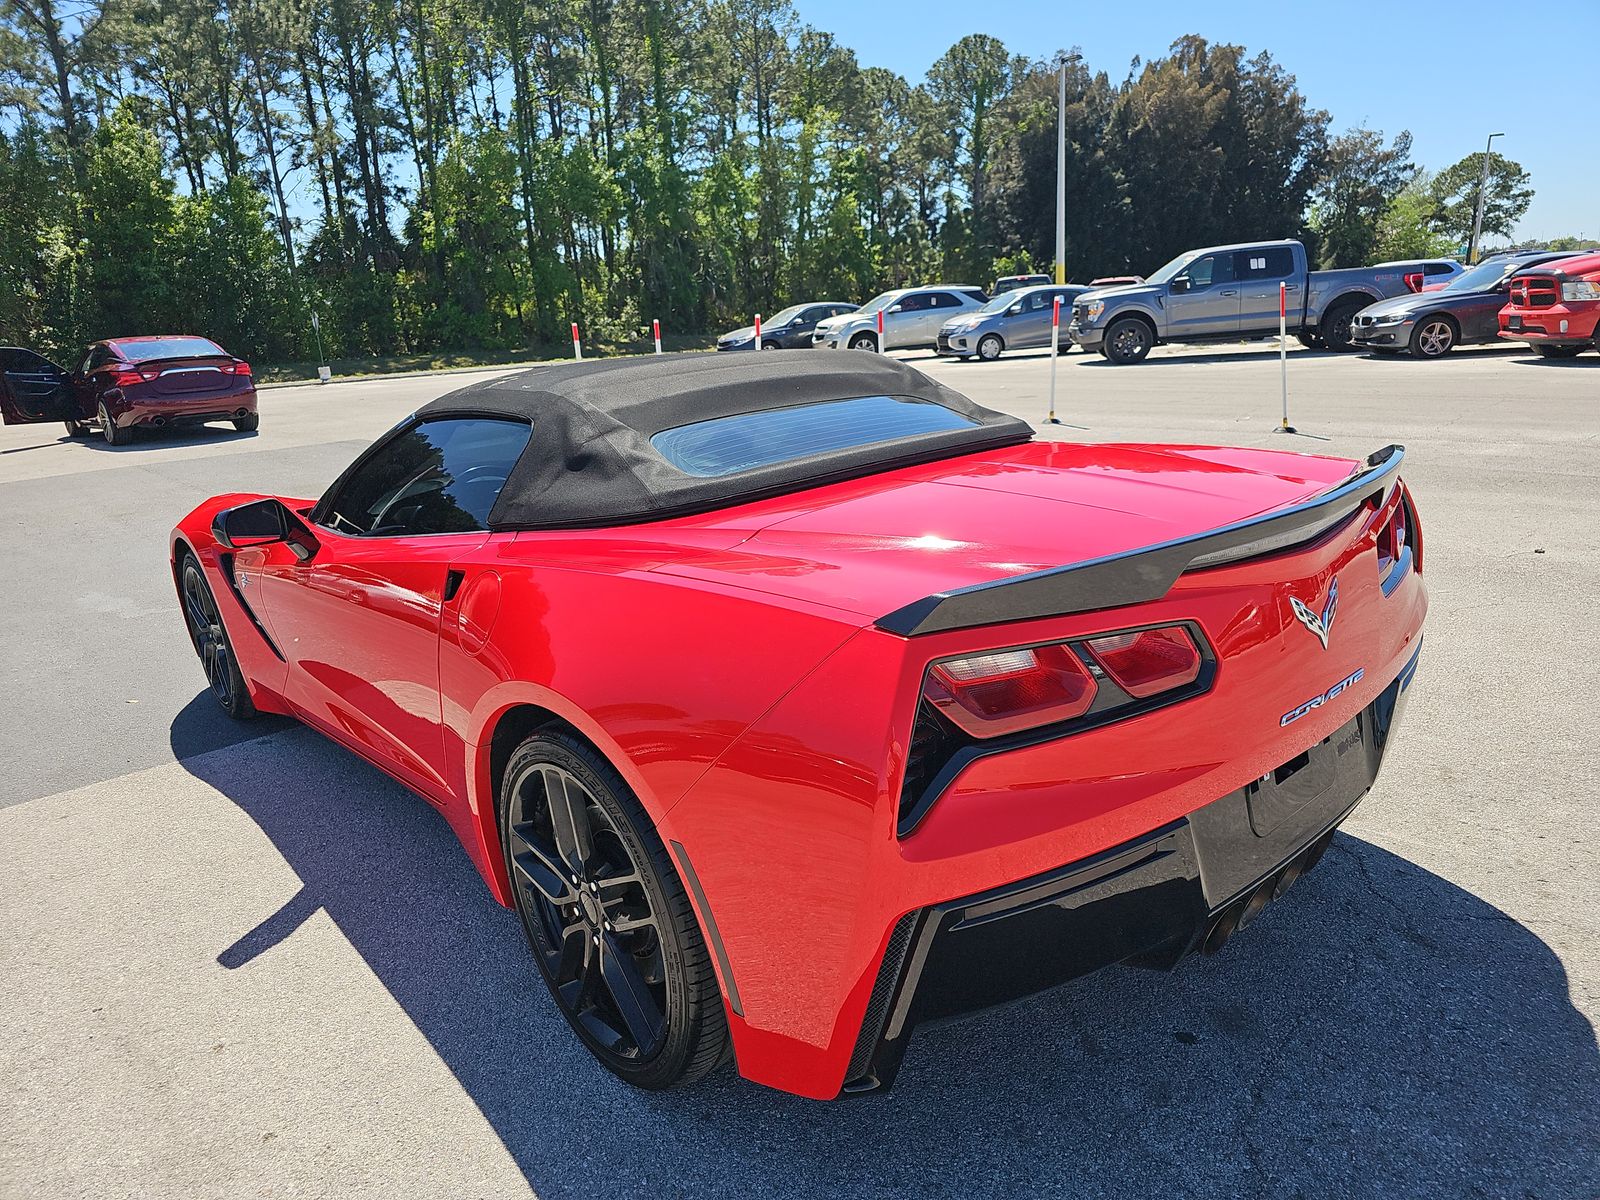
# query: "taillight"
{"points": [[127, 378], [991, 694], [1148, 661], [236, 368], [977, 703], [1398, 535], [1414, 281]]}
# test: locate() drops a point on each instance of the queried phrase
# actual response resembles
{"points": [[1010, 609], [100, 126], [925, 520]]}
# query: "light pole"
{"points": [[1483, 186], [1061, 179]]}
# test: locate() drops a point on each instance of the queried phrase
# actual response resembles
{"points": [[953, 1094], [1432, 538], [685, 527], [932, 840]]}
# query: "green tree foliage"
{"points": [[1407, 228], [1360, 179], [459, 174], [1455, 196]]}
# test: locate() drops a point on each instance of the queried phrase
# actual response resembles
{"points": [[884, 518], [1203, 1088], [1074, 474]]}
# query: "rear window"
{"points": [[172, 347], [747, 441]]}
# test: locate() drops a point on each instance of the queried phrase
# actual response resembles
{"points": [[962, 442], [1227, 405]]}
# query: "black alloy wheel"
{"points": [[1337, 325], [1127, 340], [610, 925], [211, 643]]}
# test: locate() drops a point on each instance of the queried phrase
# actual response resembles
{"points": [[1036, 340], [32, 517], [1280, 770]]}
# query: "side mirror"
{"points": [[1014, 310], [1180, 285], [262, 523], [895, 308]]}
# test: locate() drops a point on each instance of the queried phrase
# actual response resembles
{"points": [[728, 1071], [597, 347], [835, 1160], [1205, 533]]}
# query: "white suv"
{"points": [[911, 317]]}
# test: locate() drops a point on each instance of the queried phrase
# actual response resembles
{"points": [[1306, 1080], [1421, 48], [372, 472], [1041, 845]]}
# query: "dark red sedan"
{"points": [[126, 383]]}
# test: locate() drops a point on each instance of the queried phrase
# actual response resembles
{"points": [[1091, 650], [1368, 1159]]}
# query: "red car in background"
{"points": [[1555, 307], [795, 705], [123, 384]]}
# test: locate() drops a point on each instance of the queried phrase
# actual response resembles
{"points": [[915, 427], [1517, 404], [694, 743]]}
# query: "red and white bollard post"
{"points": [[881, 346], [655, 327], [757, 345], [577, 346], [1055, 351], [1283, 353]]}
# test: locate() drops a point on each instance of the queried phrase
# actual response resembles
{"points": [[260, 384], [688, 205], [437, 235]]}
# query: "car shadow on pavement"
{"points": [[1379, 1031]]}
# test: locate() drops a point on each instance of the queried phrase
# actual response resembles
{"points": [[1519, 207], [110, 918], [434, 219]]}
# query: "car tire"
{"points": [[990, 346], [1560, 351], [209, 637], [75, 428], [1309, 340], [247, 424], [1433, 337], [1127, 341], [114, 435], [1333, 331], [864, 341], [643, 999], [769, 344]]}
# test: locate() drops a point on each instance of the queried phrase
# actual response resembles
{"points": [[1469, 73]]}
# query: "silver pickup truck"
{"points": [[1226, 293]]}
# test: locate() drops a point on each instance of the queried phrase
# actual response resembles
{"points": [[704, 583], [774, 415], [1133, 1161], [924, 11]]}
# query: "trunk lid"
{"points": [[874, 545]]}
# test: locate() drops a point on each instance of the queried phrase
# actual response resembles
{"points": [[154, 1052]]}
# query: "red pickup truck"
{"points": [[1555, 307]]}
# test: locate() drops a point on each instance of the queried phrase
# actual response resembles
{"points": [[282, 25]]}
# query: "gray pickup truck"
{"points": [[1225, 293]]}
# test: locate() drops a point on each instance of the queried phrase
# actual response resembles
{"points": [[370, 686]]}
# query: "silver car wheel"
{"points": [[863, 341], [989, 347], [1435, 337]]}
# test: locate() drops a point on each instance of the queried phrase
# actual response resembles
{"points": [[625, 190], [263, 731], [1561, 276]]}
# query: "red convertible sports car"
{"points": [[794, 706]]}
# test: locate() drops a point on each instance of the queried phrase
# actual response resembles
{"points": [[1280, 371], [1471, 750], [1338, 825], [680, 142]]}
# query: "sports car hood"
{"points": [[873, 545]]}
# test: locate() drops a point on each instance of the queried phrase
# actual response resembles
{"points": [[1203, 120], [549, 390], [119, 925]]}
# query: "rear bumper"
{"points": [[1153, 900], [188, 410]]}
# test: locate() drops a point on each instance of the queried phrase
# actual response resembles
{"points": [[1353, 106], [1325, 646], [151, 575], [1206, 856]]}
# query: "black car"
{"points": [[786, 330], [1464, 312]]}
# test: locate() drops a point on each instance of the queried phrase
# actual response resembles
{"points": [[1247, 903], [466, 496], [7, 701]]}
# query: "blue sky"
{"points": [[1447, 72]]}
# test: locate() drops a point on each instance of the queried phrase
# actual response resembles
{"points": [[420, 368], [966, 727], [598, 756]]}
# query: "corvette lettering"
{"points": [[1318, 701]]}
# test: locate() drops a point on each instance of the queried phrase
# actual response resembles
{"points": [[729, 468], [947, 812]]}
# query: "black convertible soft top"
{"points": [[591, 460]]}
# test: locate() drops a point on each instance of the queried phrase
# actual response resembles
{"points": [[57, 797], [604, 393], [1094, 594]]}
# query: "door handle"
{"points": [[452, 583], [1229, 292]]}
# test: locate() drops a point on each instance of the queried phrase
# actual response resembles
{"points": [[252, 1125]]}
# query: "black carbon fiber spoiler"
{"points": [[1148, 573]]}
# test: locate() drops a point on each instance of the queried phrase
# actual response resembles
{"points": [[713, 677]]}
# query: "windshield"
{"points": [[1482, 277], [1171, 269], [787, 315], [1001, 302], [878, 302]]}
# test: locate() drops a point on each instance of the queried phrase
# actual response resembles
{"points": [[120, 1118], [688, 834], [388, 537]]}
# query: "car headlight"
{"points": [[1580, 289], [1093, 309], [1390, 318]]}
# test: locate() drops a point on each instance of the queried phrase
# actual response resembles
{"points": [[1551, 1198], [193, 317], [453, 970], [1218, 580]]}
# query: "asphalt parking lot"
{"points": [[239, 962]]}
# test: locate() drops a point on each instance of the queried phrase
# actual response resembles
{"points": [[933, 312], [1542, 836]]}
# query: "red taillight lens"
{"points": [[1149, 660], [991, 694], [1392, 538], [1414, 281], [238, 368], [127, 378]]}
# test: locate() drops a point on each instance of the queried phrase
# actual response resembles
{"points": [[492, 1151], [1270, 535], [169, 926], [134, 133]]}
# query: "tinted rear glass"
{"points": [[746, 441], [173, 347]]}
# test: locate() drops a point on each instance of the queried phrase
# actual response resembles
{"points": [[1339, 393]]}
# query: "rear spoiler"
{"points": [[1137, 576]]}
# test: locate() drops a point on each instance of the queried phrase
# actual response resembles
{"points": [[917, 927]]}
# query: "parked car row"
{"points": [[123, 384], [1549, 299]]}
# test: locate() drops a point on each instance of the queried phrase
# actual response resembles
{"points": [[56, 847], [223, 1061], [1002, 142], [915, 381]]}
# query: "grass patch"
{"points": [[462, 360]]}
